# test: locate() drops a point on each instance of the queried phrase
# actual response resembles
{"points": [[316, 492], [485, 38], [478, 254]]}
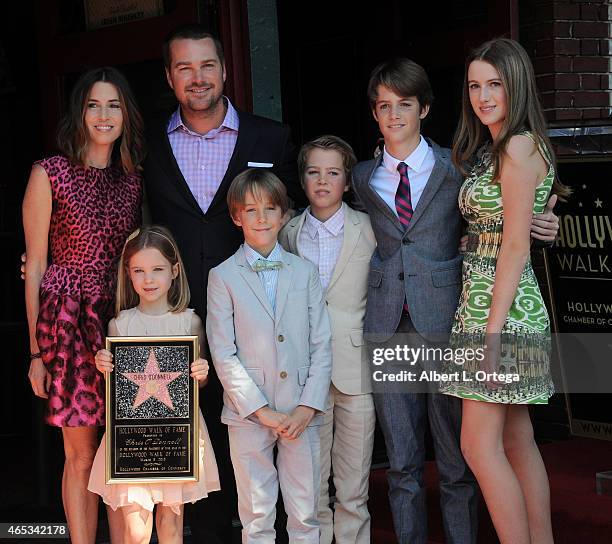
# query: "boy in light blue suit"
{"points": [[270, 342]]}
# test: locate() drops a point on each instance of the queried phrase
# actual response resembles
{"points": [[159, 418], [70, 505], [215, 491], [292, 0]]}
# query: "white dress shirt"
{"points": [[386, 178], [321, 242]]}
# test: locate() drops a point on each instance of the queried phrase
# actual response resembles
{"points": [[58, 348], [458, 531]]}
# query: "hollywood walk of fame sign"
{"points": [[152, 410], [579, 269]]}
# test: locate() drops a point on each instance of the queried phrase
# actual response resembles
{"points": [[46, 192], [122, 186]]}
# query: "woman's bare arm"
{"points": [[36, 219], [521, 170]]}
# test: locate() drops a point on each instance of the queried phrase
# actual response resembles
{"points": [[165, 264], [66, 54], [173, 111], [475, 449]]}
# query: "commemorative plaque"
{"points": [[151, 410]]}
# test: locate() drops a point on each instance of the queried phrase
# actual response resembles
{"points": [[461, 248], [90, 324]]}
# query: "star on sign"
{"points": [[598, 203], [152, 382]]}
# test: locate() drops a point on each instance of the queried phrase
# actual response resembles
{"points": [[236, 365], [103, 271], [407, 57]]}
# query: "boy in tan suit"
{"points": [[270, 341], [340, 242]]}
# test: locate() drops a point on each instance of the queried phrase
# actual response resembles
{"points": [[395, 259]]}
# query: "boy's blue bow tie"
{"points": [[263, 264]]}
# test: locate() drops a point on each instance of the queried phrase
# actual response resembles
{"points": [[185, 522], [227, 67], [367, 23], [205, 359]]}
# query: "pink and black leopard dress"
{"points": [[93, 212]]}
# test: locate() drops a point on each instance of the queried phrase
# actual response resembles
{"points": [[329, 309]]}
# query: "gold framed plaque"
{"points": [[152, 410]]}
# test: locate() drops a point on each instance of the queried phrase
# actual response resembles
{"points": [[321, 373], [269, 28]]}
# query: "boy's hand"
{"points": [[104, 361], [23, 266], [40, 379], [270, 418], [199, 370], [544, 226], [463, 244], [296, 422]]}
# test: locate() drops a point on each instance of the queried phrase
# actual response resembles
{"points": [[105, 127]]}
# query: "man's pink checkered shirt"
{"points": [[204, 158]]}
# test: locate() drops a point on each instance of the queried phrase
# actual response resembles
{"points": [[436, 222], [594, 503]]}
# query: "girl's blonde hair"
{"points": [[160, 238], [524, 111]]}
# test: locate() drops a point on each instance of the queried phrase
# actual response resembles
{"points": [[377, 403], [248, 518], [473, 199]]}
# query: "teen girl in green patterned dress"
{"points": [[501, 305]]}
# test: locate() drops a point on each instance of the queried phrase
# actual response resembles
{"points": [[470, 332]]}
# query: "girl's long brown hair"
{"points": [[161, 239], [72, 134], [524, 111]]}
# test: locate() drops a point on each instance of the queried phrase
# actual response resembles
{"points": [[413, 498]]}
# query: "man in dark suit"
{"points": [[193, 155]]}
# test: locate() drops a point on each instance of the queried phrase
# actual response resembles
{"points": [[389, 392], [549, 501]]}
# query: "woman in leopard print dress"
{"points": [[79, 208]]}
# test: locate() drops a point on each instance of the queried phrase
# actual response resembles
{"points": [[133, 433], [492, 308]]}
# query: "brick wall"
{"points": [[570, 44]]}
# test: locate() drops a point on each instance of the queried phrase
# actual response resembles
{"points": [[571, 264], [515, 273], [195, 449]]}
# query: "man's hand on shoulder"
{"points": [[545, 226]]}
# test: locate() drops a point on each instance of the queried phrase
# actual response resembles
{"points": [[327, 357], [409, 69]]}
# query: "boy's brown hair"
{"points": [[327, 142], [258, 181], [404, 77]]}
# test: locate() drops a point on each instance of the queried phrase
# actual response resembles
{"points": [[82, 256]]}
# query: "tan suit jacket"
{"points": [[346, 298], [280, 357]]}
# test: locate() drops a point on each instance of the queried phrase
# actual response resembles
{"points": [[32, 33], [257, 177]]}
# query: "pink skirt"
{"points": [[172, 494], [69, 330]]}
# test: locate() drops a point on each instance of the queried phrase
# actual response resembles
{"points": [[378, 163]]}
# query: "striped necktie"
{"points": [[403, 202]]}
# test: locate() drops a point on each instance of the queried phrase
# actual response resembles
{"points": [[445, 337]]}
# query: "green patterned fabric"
{"points": [[526, 334]]}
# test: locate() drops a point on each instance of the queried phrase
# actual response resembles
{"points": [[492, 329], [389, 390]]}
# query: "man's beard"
{"points": [[209, 105]]}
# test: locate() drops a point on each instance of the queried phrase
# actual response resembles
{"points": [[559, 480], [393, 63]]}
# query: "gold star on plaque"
{"points": [[152, 382]]}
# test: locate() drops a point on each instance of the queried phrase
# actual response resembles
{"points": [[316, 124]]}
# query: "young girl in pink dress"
{"points": [[152, 299]]}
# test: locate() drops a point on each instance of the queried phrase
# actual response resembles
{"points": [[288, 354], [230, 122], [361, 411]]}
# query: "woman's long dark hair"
{"points": [[72, 134]]}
